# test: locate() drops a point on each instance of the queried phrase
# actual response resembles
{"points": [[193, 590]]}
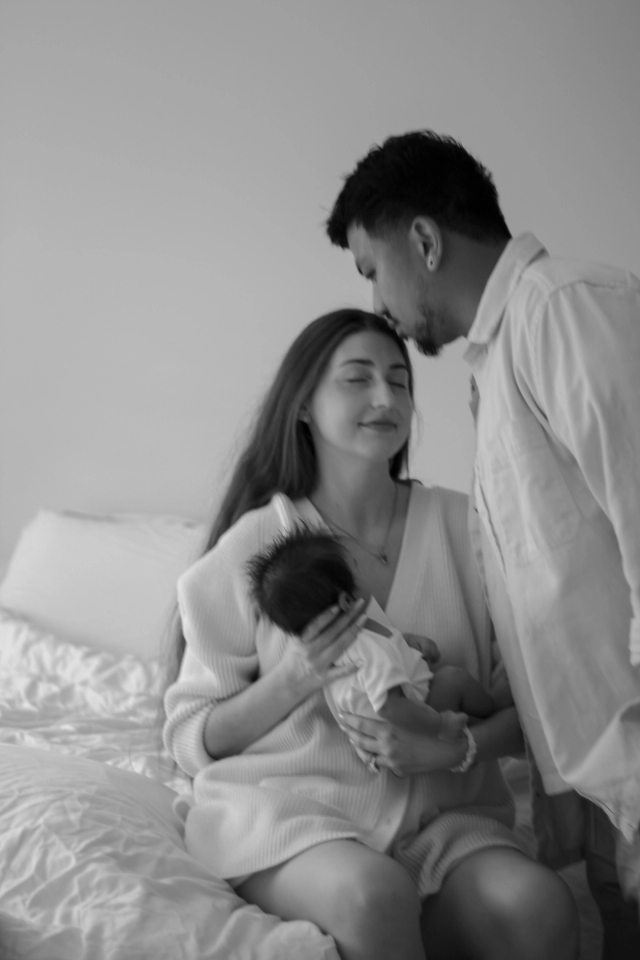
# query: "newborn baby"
{"points": [[304, 572]]}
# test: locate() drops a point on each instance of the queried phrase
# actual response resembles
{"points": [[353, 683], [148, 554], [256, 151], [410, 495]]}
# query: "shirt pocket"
{"points": [[533, 509]]}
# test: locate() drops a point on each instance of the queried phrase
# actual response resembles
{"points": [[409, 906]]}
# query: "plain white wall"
{"points": [[165, 171]]}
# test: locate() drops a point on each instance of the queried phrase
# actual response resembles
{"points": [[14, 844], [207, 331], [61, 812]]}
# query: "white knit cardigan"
{"points": [[302, 782]]}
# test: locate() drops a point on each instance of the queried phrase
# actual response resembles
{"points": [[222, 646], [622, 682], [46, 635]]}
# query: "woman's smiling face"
{"points": [[362, 406]]}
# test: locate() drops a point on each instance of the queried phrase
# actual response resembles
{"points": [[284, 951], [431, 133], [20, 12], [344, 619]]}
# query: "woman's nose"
{"points": [[383, 395]]}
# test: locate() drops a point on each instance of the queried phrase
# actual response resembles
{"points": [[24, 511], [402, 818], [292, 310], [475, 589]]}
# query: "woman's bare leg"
{"points": [[365, 900], [500, 905]]}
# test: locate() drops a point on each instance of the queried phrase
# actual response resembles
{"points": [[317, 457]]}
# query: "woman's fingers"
{"points": [[374, 738], [370, 735], [405, 741], [337, 673], [311, 657], [327, 638], [331, 623], [348, 631]]}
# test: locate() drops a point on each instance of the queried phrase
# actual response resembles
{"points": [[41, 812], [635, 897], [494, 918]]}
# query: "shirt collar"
{"points": [[515, 258]]}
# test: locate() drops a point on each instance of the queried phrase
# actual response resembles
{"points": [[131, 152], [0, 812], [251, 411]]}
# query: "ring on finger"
{"points": [[372, 764]]}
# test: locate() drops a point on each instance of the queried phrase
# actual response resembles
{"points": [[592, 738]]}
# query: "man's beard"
{"points": [[424, 338]]}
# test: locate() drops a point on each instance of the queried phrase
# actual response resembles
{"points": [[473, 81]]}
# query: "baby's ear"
{"points": [[345, 601]]}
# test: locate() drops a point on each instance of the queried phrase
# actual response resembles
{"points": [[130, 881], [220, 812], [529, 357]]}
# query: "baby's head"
{"points": [[298, 576]]}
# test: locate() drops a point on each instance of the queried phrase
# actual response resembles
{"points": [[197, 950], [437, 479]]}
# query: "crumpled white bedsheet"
{"points": [[92, 859], [58, 695]]}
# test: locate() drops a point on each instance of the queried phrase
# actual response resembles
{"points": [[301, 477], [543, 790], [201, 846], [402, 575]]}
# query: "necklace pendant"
{"points": [[383, 558]]}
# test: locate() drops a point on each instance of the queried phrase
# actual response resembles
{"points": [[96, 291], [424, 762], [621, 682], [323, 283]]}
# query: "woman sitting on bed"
{"points": [[284, 809]]}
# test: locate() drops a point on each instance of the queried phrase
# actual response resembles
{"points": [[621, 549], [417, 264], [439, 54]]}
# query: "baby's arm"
{"points": [[445, 724], [452, 688]]}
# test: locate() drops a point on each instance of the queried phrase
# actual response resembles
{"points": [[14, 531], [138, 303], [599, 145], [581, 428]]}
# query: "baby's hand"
{"points": [[425, 645], [452, 725]]}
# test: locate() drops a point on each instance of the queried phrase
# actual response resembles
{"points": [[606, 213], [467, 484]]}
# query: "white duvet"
{"points": [[92, 862], [60, 696]]}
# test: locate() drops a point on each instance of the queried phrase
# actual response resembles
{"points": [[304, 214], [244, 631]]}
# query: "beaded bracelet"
{"points": [[470, 755]]}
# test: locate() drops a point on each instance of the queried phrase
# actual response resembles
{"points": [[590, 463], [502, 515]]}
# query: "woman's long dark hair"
{"points": [[279, 456]]}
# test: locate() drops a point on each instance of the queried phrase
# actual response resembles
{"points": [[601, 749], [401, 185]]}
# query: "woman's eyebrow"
{"points": [[370, 363]]}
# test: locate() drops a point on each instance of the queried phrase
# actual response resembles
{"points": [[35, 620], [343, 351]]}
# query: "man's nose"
{"points": [[378, 305], [380, 309]]}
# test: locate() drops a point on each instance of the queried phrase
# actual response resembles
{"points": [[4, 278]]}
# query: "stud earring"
{"points": [[431, 263]]}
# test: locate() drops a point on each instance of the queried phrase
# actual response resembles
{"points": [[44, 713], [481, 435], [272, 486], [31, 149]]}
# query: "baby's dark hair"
{"points": [[298, 576]]}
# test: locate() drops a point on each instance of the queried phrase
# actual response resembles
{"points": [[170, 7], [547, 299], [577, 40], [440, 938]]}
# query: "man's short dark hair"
{"points": [[419, 173], [300, 575]]}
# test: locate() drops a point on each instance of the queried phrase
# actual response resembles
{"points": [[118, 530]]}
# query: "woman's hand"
{"points": [[308, 663], [404, 742], [424, 645], [236, 723]]}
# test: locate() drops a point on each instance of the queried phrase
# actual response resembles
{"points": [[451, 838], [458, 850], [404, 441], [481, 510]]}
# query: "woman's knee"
{"points": [[531, 908], [376, 912], [503, 906], [363, 898], [379, 894]]}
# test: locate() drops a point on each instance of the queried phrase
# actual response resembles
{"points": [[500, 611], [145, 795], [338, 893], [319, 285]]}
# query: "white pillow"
{"points": [[92, 864], [105, 581]]}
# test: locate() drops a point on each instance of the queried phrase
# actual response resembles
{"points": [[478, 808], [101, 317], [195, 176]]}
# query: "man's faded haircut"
{"points": [[418, 174]]}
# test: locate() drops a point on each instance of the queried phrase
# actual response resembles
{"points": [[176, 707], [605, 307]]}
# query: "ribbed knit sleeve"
{"points": [[219, 624]]}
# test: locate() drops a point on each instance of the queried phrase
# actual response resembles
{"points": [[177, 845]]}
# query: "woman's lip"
{"points": [[380, 424]]}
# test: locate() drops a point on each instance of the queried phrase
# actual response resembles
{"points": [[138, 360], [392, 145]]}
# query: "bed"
{"points": [[92, 860]]}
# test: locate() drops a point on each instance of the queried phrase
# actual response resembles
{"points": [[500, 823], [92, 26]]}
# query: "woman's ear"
{"points": [[304, 415]]}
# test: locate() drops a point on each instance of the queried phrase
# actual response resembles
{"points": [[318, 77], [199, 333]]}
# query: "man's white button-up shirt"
{"points": [[555, 352]]}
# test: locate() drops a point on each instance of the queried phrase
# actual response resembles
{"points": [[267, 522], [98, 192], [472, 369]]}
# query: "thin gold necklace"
{"points": [[381, 554]]}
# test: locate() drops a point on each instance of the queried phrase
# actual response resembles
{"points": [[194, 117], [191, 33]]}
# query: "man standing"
{"points": [[554, 348]]}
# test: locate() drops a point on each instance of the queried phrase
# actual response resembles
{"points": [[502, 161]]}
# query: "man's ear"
{"points": [[426, 239]]}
